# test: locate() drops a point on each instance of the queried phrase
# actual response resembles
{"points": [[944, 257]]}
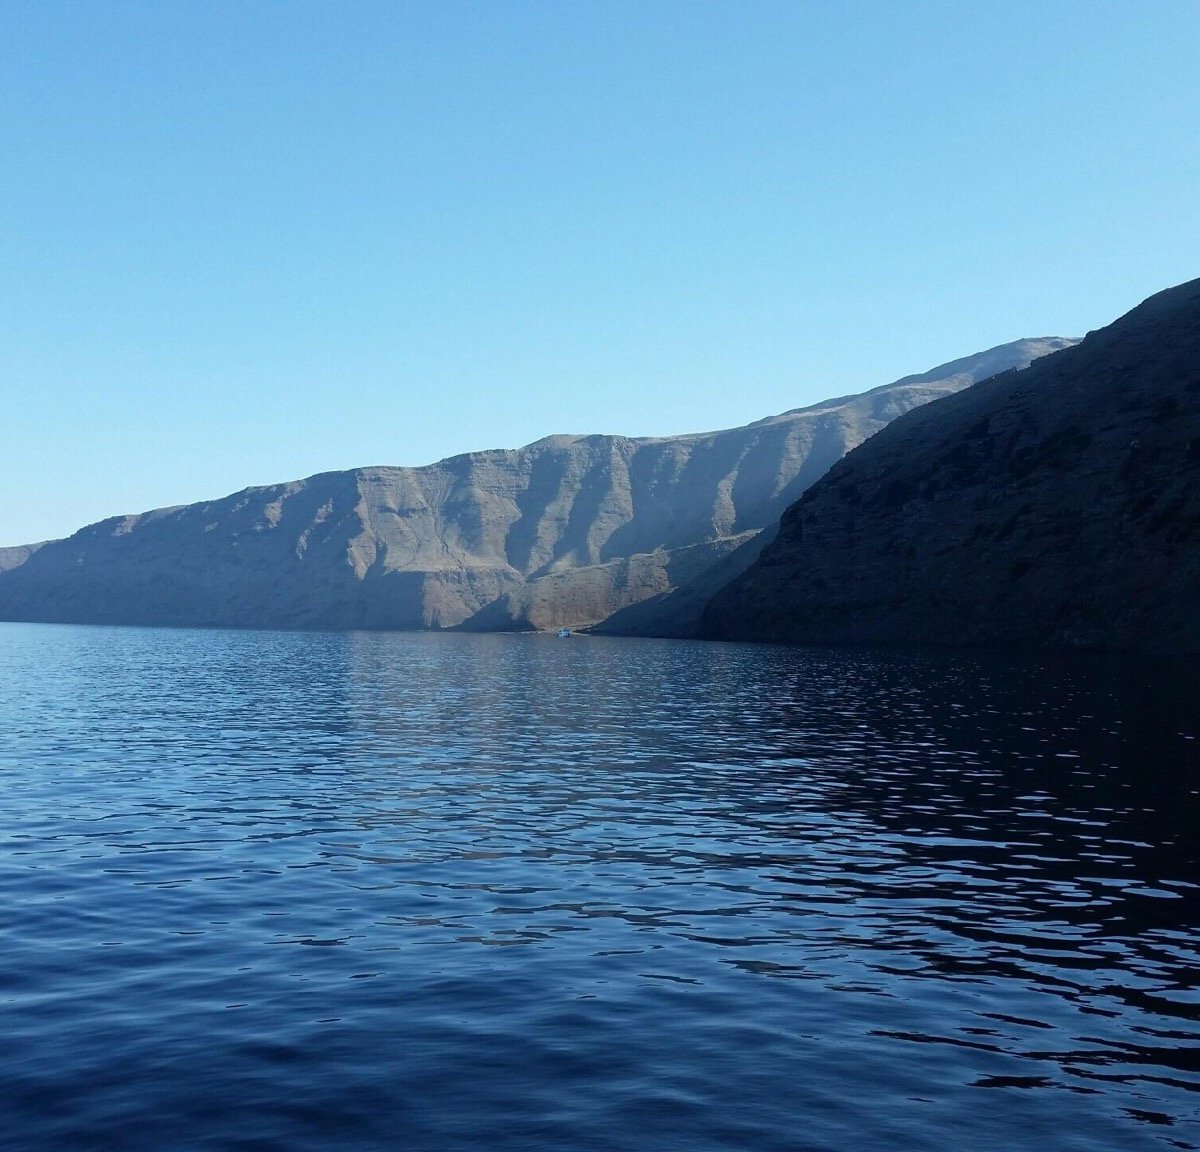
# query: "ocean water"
{"points": [[287, 891]]}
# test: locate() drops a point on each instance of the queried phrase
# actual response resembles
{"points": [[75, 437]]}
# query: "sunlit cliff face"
{"points": [[569, 530]]}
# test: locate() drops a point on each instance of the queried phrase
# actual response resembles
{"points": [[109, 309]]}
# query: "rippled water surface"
{"points": [[281, 891]]}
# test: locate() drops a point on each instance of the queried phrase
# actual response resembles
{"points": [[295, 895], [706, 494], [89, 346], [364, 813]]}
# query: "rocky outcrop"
{"points": [[1057, 506], [570, 530], [15, 557]]}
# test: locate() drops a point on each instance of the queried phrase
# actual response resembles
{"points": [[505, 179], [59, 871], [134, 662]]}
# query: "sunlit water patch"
{"points": [[282, 891]]}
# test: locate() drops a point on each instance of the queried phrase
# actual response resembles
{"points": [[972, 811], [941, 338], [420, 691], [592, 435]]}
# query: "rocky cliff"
{"points": [[569, 530], [1056, 506], [15, 557]]}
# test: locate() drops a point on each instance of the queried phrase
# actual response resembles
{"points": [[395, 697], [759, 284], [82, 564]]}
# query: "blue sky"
{"points": [[245, 242]]}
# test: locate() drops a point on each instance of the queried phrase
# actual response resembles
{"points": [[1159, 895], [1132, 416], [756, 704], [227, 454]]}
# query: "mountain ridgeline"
{"points": [[1057, 506], [628, 534]]}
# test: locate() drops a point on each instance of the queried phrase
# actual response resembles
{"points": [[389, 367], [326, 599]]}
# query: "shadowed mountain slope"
{"points": [[1057, 506], [569, 530]]}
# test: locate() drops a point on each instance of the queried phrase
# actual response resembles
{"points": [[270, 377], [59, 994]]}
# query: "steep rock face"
{"points": [[569, 530], [1057, 506]]}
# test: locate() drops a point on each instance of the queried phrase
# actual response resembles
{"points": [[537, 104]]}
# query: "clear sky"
{"points": [[244, 242]]}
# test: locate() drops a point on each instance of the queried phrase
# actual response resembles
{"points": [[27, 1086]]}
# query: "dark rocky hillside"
{"points": [[569, 530], [1057, 506]]}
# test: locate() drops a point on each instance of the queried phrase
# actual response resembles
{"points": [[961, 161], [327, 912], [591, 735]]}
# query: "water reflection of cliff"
{"points": [[1074, 761], [862, 820]]}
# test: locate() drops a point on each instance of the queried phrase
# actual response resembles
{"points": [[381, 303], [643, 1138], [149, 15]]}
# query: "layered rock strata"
{"points": [[571, 530]]}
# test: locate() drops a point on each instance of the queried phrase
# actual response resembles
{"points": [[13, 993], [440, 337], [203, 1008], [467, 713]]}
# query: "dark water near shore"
{"points": [[280, 891]]}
